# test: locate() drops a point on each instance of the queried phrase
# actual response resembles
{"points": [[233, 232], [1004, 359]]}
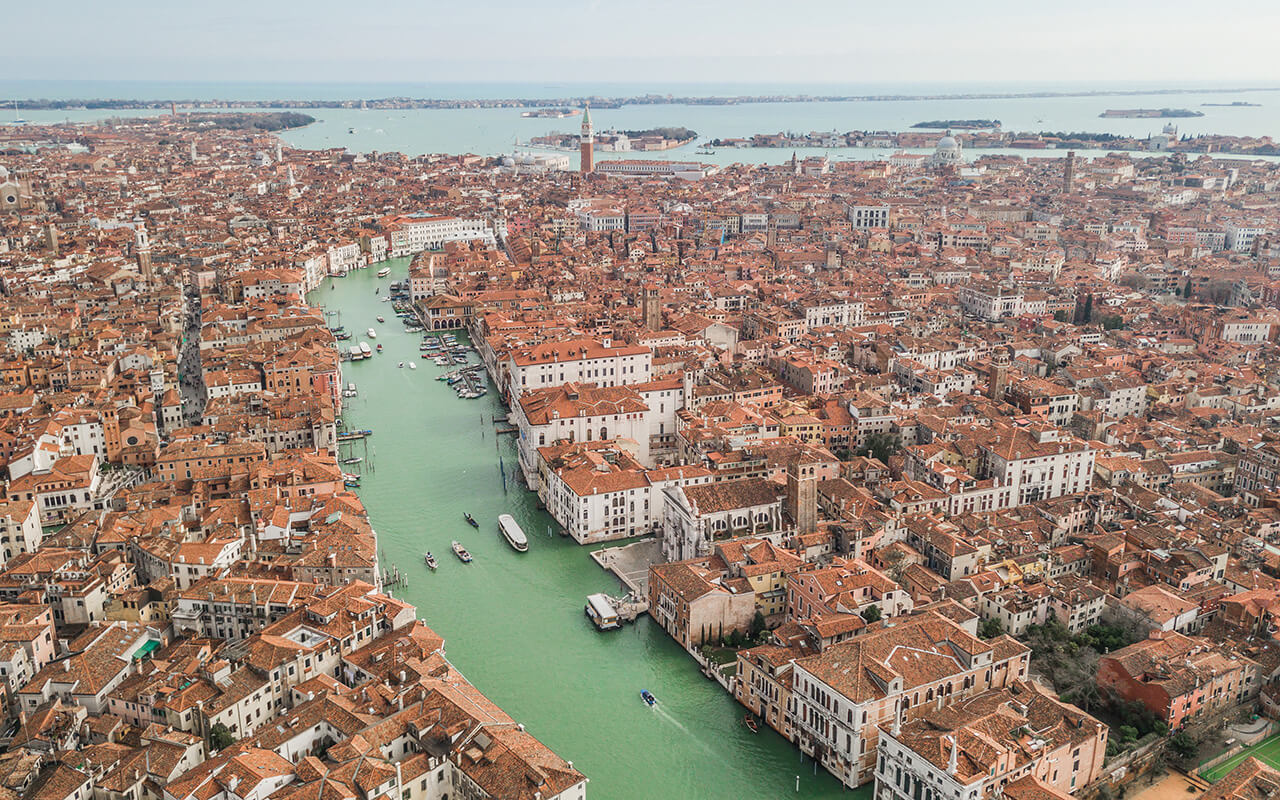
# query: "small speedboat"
{"points": [[412, 365], [371, 333], [431, 560], [471, 520], [461, 552], [401, 365], [379, 348], [648, 697], [380, 319]]}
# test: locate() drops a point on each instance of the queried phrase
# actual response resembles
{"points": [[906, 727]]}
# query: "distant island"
{"points": [[665, 138], [254, 121], [551, 113], [682, 135], [1236, 104], [1151, 113], [959, 124], [596, 101]]}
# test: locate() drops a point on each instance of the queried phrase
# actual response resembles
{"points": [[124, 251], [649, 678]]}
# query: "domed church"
{"points": [[947, 153]]}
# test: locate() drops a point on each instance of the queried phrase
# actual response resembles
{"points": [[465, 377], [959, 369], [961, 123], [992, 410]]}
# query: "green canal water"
{"points": [[513, 622]]}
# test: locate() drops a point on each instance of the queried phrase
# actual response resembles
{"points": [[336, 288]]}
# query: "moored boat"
{"points": [[512, 532], [366, 351], [750, 722], [461, 552]]}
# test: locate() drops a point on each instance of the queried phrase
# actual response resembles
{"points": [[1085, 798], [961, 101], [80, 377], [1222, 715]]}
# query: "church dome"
{"points": [[948, 144]]}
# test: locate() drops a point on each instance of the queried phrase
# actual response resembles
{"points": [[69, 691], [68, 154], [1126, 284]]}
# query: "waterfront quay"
{"points": [[514, 621]]}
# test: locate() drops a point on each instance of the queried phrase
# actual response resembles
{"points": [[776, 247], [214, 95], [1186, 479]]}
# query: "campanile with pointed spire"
{"points": [[587, 142]]}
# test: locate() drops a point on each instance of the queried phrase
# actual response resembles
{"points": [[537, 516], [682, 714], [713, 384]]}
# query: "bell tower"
{"points": [[142, 250], [587, 142]]}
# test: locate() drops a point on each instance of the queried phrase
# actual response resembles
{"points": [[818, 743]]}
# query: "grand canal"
{"points": [[513, 622]]}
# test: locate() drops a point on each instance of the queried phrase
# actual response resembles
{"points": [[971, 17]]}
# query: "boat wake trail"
{"points": [[662, 712]]}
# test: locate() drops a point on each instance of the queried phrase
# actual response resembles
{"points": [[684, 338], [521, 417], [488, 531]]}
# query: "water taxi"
{"points": [[384, 272], [412, 365], [431, 560], [648, 697], [461, 552], [471, 520], [380, 319], [512, 532]]}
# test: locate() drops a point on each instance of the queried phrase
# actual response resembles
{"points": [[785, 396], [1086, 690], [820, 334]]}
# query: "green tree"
{"points": [[220, 737], [1184, 747], [1060, 316], [990, 628], [1088, 309], [880, 446], [871, 613], [757, 626]]}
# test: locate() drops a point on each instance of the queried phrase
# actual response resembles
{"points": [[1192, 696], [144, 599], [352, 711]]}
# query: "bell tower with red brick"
{"points": [[587, 142]]}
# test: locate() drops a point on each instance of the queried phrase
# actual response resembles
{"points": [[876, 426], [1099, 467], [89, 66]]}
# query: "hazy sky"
{"points": [[809, 41]]}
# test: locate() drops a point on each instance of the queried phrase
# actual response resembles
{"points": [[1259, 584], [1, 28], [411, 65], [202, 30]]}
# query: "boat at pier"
{"points": [[648, 697], [599, 609], [512, 532], [366, 351], [353, 460], [750, 722], [431, 560], [461, 552]]}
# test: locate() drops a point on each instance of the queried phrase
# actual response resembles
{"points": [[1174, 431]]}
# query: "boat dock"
{"points": [[630, 563], [608, 613]]}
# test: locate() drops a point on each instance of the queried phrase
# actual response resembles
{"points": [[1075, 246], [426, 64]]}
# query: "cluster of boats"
{"points": [[507, 526]]}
